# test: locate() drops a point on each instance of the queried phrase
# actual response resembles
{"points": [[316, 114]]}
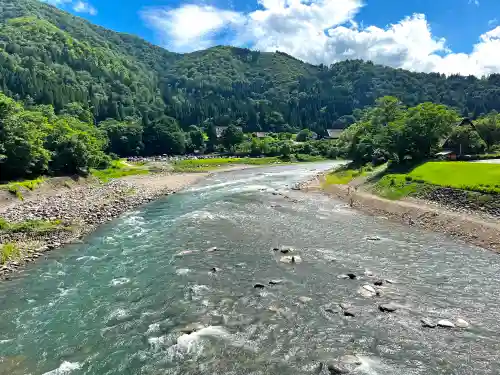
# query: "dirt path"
{"points": [[468, 227]]}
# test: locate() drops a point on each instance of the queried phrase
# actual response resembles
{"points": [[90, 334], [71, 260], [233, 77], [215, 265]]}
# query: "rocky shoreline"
{"points": [[466, 225], [80, 210]]}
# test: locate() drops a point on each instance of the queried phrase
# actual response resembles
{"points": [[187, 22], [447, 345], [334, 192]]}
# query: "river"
{"points": [[116, 304]]}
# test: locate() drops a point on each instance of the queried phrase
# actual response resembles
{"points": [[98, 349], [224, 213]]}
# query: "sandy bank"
{"points": [[81, 208], [470, 227]]}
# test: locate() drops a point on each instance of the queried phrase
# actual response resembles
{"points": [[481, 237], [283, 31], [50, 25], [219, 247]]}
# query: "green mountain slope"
{"points": [[48, 56]]}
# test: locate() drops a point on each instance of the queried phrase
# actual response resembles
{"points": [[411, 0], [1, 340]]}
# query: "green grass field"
{"points": [[119, 168], [206, 165], [476, 177], [480, 177]]}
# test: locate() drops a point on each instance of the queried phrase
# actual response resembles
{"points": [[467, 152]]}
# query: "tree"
{"points": [[286, 149], [197, 139], [163, 136], [304, 135], [232, 136], [125, 138], [488, 128], [76, 110]]}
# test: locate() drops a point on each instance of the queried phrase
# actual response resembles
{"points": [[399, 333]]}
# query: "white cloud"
{"points": [[190, 27], [322, 31], [475, 2], [84, 7], [78, 6]]}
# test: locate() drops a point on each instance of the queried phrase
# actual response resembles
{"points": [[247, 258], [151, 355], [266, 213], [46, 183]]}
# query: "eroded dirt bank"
{"points": [[467, 226]]}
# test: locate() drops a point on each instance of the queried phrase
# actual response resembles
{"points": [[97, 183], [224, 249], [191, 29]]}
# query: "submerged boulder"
{"points": [[388, 307], [193, 327]]}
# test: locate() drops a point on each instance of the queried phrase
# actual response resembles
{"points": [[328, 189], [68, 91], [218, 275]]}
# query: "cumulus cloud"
{"points": [[191, 27], [78, 6], [84, 7], [322, 31]]}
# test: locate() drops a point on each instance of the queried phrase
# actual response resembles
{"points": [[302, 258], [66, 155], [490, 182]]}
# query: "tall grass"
{"points": [[344, 176], [9, 251], [16, 187], [31, 226]]}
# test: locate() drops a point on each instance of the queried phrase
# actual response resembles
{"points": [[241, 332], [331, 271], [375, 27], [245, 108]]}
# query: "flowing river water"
{"points": [[117, 303]]}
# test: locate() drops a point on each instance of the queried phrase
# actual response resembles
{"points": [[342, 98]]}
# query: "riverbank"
{"points": [[67, 211], [470, 226]]}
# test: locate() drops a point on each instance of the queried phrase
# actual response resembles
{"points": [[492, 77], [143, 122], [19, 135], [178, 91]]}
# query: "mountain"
{"points": [[48, 56]]}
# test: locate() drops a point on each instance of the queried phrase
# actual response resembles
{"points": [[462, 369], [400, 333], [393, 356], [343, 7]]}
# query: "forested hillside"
{"points": [[80, 87], [48, 56]]}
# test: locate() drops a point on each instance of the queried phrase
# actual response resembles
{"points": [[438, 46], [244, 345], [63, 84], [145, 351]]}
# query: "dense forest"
{"points": [[145, 100]]}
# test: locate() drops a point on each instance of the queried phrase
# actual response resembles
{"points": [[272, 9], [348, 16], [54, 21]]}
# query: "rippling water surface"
{"points": [[117, 304]]}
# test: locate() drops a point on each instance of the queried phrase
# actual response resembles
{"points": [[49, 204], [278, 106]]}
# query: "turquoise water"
{"points": [[117, 303]]}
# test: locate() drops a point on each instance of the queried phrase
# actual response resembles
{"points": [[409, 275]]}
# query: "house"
{"points": [[219, 130], [447, 155], [445, 146], [261, 134], [334, 133]]}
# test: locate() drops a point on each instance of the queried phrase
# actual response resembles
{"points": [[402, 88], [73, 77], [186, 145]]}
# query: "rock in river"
{"points": [[388, 307], [286, 250], [445, 324], [337, 369], [275, 282], [349, 313], [460, 323], [367, 291], [305, 299], [193, 327], [378, 283], [212, 249], [291, 259], [427, 323], [259, 286]]}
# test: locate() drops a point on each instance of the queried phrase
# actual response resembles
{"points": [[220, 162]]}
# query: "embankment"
{"points": [[467, 226], [74, 210]]}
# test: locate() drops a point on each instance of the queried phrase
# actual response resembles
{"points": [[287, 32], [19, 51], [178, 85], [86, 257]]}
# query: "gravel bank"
{"points": [[469, 225], [82, 209]]}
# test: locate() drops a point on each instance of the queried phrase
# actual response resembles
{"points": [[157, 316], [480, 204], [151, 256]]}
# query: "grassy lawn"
{"points": [[480, 177], [476, 177], [119, 168]]}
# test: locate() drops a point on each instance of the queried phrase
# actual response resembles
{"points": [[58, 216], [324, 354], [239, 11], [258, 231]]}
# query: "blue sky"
{"points": [[448, 36]]}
